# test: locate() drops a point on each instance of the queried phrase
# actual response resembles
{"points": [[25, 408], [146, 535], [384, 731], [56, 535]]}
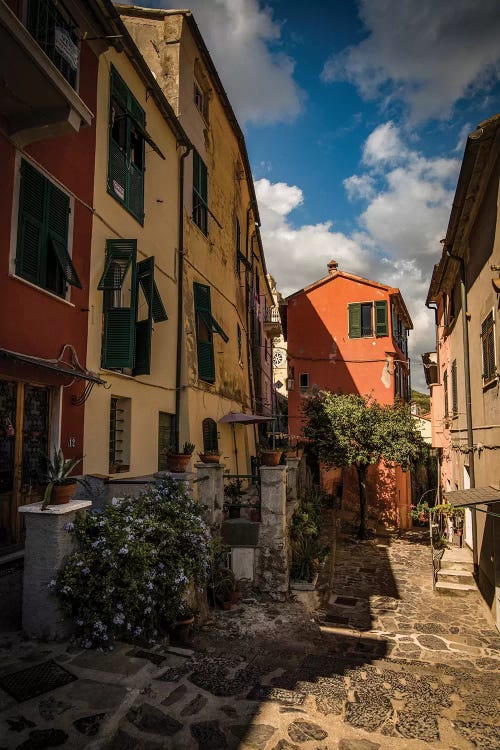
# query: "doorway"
{"points": [[24, 441]]}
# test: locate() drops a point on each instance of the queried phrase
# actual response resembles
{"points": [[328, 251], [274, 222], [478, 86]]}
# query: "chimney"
{"points": [[332, 266]]}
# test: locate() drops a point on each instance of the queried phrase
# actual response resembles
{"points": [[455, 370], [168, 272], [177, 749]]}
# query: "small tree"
{"points": [[349, 429]]}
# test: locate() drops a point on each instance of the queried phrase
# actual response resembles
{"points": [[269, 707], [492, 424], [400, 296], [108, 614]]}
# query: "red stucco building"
{"points": [[47, 153], [348, 334]]}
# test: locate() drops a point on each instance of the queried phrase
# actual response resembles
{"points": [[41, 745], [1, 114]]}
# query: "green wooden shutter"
{"points": [[454, 388], [57, 223], [355, 320], [31, 224], [206, 360], [488, 347], [119, 322], [144, 328], [445, 393], [381, 327]]}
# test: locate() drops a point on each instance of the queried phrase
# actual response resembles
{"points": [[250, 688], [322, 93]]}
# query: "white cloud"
{"points": [[383, 146], [397, 238], [242, 38], [426, 55]]}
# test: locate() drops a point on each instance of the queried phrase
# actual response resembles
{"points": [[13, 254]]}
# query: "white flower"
{"points": [[123, 550], [87, 644], [119, 619], [115, 501], [150, 586], [86, 571], [119, 605], [69, 526], [147, 610], [52, 584]]}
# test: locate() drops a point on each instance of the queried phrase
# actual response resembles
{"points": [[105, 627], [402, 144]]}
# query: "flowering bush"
{"points": [[420, 512], [130, 575]]}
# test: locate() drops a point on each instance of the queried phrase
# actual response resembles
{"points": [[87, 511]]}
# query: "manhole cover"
{"points": [[346, 601], [36, 680]]}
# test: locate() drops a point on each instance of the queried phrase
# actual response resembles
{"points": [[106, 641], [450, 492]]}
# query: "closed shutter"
{"points": [[488, 347], [205, 347], [381, 328], [119, 322], [210, 441], [454, 388], [31, 224], [355, 321], [445, 393]]}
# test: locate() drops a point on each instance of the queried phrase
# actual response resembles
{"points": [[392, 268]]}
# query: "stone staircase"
{"points": [[454, 577]]}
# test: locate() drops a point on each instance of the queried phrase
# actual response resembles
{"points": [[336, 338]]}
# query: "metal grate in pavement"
{"points": [[33, 681]]}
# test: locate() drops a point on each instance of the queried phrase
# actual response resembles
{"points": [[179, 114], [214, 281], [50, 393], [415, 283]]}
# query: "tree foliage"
{"points": [[349, 429]]}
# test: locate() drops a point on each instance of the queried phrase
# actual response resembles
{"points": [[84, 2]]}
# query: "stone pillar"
{"points": [[211, 489], [292, 476], [272, 570], [48, 546]]}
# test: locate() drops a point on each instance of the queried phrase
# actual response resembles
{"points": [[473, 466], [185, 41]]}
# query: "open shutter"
{"points": [[381, 328], [454, 388], [144, 328], [31, 228], [119, 322], [488, 347], [205, 347], [355, 321], [58, 220]]}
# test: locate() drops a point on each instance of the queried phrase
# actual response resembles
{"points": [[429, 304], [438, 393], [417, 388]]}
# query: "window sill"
{"points": [[490, 382], [40, 289], [200, 231]]}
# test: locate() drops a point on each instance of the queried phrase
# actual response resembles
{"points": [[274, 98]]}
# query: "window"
{"points": [[42, 234], [54, 29], [206, 326], [200, 193], [126, 147], [198, 98], [210, 439], [240, 353], [165, 438], [238, 244], [304, 380], [266, 353], [445, 392], [128, 326], [119, 434], [488, 348], [363, 315], [454, 388]]}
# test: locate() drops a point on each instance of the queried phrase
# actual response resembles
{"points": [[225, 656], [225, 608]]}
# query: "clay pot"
{"points": [[210, 458], [226, 606], [177, 463], [234, 597], [271, 458], [181, 632], [61, 493]]}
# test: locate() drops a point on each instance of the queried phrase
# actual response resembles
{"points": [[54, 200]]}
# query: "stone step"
{"points": [[467, 567], [457, 558], [455, 589], [450, 575]]}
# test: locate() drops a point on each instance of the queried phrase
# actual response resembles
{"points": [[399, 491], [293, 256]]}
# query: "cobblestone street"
{"points": [[385, 663]]}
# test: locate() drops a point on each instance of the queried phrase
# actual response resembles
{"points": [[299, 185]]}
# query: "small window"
{"points": [[454, 388], [304, 380], [445, 394], [119, 435], [165, 438], [488, 348], [200, 193], [366, 319], [199, 98], [210, 439], [42, 255]]}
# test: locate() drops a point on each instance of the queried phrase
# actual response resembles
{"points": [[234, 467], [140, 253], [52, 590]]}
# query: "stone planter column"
{"points": [[47, 548], [272, 570], [211, 489]]}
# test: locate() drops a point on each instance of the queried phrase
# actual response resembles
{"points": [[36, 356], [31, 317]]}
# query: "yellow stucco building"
{"points": [[225, 352], [132, 335]]}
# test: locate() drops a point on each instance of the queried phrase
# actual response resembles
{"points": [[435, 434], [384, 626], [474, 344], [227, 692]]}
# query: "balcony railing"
{"points": [[272, 315], [53, 28]]}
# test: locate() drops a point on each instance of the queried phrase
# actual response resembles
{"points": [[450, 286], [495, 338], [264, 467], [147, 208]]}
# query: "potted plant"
{"points": [[233, 493], [255, 513], [224, 584], [177, 463], [210, 457], [60, 485], [180, 633], [269, 456]]}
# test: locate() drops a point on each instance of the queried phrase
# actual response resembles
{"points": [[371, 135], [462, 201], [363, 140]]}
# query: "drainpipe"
{"points": [[438, 450], [468, 405], [180, 301]]}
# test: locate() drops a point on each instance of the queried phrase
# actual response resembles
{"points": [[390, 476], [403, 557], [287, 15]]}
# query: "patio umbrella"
{"points": [[238, 417]]}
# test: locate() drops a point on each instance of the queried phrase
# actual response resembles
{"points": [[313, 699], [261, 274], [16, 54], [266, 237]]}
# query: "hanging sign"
{"points": [[66, 47]]}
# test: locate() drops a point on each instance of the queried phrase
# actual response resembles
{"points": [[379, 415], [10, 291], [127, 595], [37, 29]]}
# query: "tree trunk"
{"points": [[362, 471]]}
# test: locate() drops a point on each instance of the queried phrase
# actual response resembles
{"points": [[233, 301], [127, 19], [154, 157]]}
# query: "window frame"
{"points": [[454, 390], [488, 376], [65, 239], [200, 209], [303, 385]]}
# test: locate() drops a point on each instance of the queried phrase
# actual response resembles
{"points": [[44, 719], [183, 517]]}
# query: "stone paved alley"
{"points": [[384, 664]]}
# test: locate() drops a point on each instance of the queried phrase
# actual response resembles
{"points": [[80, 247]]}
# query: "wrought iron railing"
{"points": [[54, 30]]}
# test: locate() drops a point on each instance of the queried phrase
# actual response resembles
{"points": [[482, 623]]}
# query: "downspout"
{"points": [[180, 301], [468, 404], [439, 450]]}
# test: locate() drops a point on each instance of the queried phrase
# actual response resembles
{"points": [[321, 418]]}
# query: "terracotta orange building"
{"points": [[348, 334]]}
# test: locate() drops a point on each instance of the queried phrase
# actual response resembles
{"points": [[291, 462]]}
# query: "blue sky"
{"points": [[355, 114]]}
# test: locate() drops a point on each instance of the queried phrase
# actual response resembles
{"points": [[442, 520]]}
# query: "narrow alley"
{"points": [[385, 663]]}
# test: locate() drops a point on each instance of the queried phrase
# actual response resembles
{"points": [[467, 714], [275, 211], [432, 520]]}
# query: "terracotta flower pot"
{"points": [[227, 606], [178, 462], [210, 458], [234, 597], [271, 458], [61, 493], [181, 632]]}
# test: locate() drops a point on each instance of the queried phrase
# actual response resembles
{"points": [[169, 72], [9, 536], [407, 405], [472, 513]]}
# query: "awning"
{"points": [[237, 417], [64, 368], [475, 496]]}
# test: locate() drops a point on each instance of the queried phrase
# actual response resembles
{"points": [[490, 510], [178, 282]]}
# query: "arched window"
{"points": [[210, 442]]}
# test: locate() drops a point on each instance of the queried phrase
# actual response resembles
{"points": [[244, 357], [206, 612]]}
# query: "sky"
{"points": [[355, 114]]}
